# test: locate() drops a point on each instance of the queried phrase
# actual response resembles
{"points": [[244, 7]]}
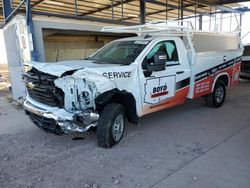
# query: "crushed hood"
{"points": [[58, 68]]}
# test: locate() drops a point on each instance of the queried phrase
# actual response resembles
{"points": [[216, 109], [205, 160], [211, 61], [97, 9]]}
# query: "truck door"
{"points": [[168, 85]]}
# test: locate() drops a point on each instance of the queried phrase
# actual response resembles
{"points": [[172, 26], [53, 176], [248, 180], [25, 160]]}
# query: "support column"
{"points": [[240, 25], [166, 9], [76, 9], [122, 16], [200, 21], [142, 11], [29, 22], [6, 9], [182, 7], [112, 9]]}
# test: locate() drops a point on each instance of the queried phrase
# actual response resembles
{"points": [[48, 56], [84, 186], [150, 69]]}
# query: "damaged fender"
{"points": [[81, 90]]}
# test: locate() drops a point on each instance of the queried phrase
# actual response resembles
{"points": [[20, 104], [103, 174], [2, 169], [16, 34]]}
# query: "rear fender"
{"points": [[222, 76]]}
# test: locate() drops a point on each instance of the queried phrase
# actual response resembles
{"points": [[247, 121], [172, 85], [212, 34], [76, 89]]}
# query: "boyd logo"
{"points": [[159, 89]]}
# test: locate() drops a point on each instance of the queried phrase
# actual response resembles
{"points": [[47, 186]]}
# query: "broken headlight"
{"points": [[70, 82], [27, 68], [85, 95]]}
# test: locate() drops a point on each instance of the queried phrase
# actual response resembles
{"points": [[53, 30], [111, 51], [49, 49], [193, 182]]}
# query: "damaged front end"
{"points": [[58, 120], [60, 104]]}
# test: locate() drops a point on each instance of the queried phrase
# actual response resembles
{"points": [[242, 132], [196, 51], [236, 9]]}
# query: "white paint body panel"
{"points": [[95, 80], [207, 60], [163, 85]]}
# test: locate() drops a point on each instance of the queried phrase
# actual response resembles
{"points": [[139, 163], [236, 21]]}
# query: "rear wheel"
{"points": [[217, 97], [111, 125]]}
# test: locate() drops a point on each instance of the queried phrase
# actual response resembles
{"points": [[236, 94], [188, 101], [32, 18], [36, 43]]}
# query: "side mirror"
{"points": [[159, 63]]}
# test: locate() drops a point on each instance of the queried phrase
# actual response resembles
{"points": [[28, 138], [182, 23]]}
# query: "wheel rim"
{"points": [[117, 127], [219, 94]]}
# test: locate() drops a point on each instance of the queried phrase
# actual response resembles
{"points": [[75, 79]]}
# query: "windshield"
{"points": [[119, 52]]}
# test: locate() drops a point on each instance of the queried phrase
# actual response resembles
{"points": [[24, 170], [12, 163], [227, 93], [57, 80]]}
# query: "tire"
{"points": [[217, 97], [111, 125]]}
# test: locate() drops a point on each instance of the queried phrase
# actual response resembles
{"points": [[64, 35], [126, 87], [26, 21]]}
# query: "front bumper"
{"points": [[79, 121]]}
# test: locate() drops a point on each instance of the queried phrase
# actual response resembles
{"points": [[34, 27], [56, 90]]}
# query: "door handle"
{"points": [[179, 72], [224, 58]]}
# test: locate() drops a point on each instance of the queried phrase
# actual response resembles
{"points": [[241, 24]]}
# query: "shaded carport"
{"points": [[122, 12], [64, 30]]}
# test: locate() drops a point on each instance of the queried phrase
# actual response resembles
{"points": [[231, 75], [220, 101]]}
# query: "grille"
{"points": [[41, 88]]}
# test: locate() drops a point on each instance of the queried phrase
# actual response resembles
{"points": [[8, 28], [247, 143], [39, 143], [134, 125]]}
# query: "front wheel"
{"points": [[217, 97], [111, 125]]}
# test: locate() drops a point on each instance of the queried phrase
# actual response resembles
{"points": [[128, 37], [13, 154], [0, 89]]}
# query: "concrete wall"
{"points": [[3, 56], [4, 71], [74, 41], [71, 47], [43, 22]]}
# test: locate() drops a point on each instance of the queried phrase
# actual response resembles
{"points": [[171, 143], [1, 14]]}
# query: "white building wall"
{"points": [[3, 55], [18, 52]]}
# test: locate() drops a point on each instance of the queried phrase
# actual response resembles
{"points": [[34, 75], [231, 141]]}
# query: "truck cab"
{"points": [[168, 85]]}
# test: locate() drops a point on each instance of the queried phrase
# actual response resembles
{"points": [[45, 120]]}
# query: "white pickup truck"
{"points": [[131, 77]]}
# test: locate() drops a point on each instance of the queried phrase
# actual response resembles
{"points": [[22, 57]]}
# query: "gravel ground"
{"points": [[186, 146]]}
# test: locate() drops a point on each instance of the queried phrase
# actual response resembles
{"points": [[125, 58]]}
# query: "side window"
{"points": [[160, 47], [172, 54], [167, 47]]}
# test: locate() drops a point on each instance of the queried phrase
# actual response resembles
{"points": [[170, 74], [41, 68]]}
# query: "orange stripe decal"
{"points": [[159, 94]]}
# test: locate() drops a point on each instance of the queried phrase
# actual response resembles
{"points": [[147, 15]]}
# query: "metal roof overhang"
{"points": [[121, 11]]}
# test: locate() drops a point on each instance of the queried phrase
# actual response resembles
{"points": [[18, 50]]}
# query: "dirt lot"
{"points": [[185, 146]]}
